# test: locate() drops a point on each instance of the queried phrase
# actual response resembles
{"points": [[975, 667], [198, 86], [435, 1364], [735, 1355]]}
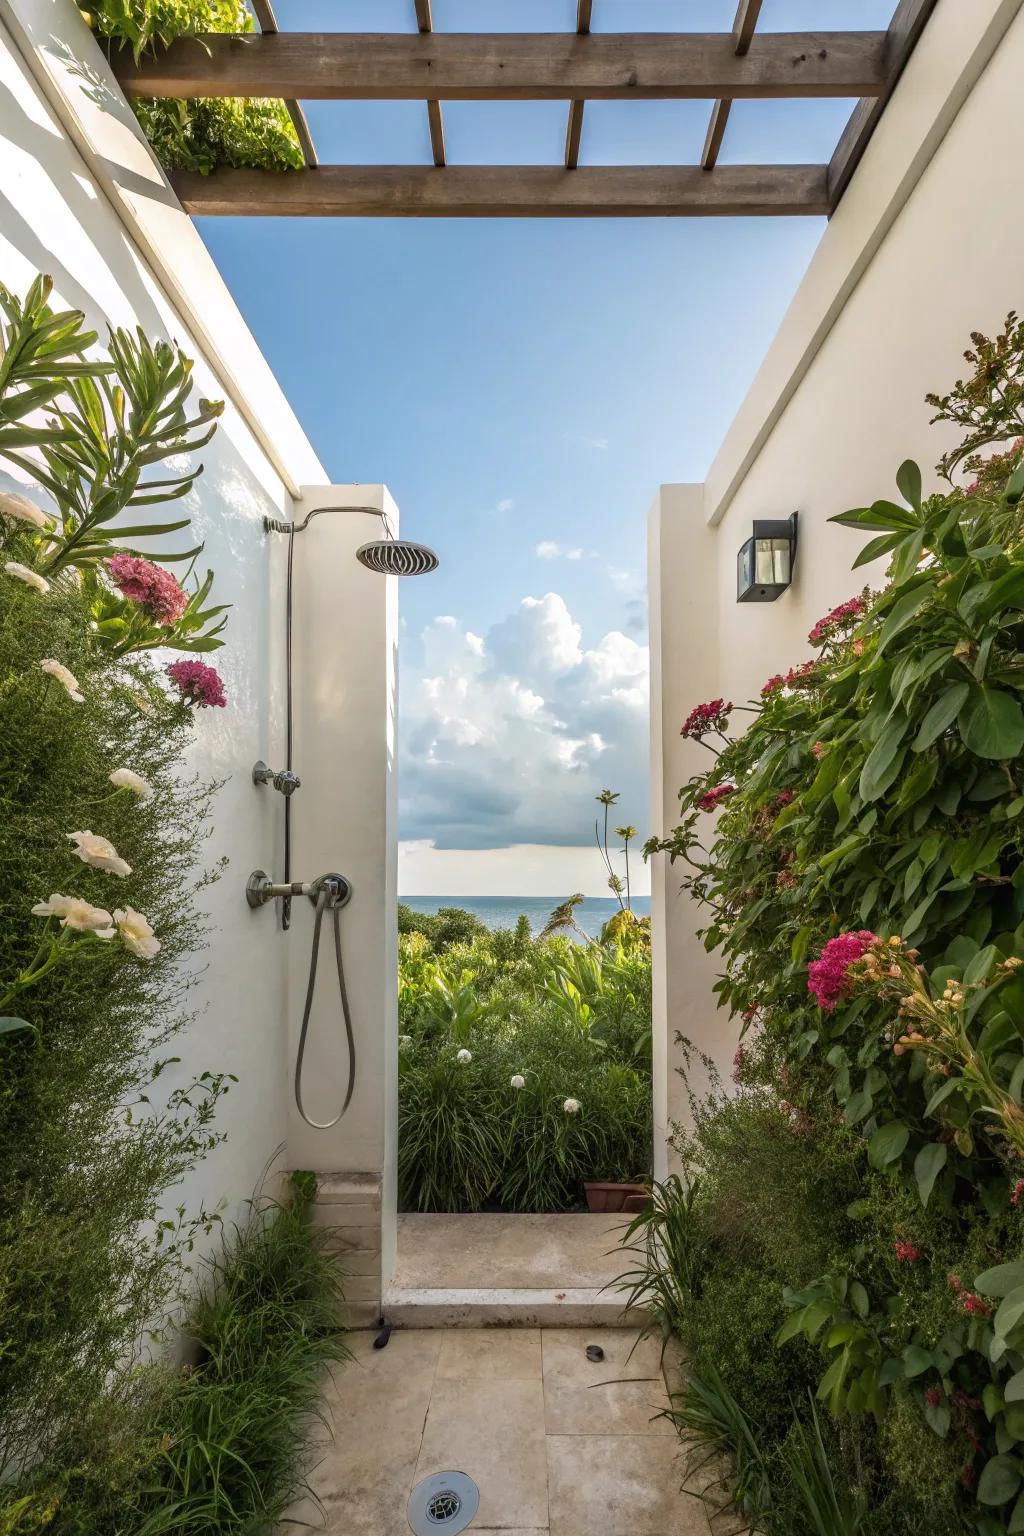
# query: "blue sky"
{"points": [[523, 387]]}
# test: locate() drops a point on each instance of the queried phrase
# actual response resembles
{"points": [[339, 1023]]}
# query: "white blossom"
{"points": [[136, 933], [30, 578], [571, 1106], [76, 913], [20, 510], [101, 854], [518, 1081], [66, 678], [465, 1057], [125, 778]]}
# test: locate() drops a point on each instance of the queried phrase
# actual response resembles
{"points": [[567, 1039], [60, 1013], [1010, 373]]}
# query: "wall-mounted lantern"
{"points": [[764, 565]]}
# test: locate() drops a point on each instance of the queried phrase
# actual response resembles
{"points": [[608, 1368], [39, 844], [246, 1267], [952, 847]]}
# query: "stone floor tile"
{"points": [[493, 1430], [409, 1352], [500, 1353], [604, 1397], [619, 1485]]}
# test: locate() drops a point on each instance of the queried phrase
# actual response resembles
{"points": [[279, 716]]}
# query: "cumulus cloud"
{"points": [[508, 736], [547, 549]]}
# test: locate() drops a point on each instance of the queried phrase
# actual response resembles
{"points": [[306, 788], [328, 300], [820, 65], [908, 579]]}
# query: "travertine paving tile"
{"points": [[499, 1353], [619, 1485], [493, 1430], [604, 1397]]}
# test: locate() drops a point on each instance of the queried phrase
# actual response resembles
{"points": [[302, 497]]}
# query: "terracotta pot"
{"points": [[628, 1198]]}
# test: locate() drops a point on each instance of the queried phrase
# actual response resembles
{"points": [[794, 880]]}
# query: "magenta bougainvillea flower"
{"points": [[199, 684], [154, 589], [705, 718], [828, 977], [835, 622], [712, 798]]}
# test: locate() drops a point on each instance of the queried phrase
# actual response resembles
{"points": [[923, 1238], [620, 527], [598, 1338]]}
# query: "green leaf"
{"points": [[908, 478], [888, 1144], [1000, 1280], [859, 1299], [928, 1164], [941, 715], [916, 1360], [941, 1094], [1000, 1479], [902, 612], [1009, 1313], [11, 1026], [858, 1105], [1014, 1389], [992, 724], [877, 773]]}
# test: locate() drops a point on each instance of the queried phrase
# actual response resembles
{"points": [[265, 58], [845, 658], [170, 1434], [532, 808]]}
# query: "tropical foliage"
{"points": [[864, 885], [203, 133], [524, 1064]]}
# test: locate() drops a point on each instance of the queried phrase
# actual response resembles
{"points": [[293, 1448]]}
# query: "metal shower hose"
{"points": [[326, 896]]}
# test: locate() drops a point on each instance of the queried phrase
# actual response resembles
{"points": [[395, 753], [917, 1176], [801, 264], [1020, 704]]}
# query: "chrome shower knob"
{"points": [[283, 780]]}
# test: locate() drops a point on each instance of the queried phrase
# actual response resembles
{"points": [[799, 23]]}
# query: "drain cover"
{"points": [[447, 1501]]}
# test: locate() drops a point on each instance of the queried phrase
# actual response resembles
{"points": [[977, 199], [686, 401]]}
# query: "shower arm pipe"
{"points": [[280, 525]]}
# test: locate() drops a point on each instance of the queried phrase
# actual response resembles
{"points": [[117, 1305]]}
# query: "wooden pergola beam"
{"points": [[574, 127], [905, 29], [435, 117], [515, 191], [743, 29], [264, 12], [509, 66]]}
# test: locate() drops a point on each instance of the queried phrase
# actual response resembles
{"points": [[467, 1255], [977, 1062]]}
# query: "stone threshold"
{"points": [[518, 1307]]}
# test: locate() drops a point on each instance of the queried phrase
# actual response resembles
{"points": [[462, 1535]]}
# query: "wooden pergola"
{"points": [[578, 67]]}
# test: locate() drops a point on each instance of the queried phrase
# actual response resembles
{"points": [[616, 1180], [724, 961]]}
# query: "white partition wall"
{"points": [[924, 248]]}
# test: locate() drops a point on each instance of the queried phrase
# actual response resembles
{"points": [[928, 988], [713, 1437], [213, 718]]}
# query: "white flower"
{"points": [[95, 850], [30, 578], [465, 1057], [403, 1041], [571, 1106], [67, 679], [136, 933], [21, 510], [518, 1081], [76, 913], [124, 778]]}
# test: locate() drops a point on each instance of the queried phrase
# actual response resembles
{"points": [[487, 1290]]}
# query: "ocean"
{"points": [[502, 911]]}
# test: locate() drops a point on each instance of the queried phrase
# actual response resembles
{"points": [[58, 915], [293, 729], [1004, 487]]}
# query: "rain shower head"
{"points": [[397, 557]]}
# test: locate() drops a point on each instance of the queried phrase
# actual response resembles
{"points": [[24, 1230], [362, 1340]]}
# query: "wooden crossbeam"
{"points": [[515, 191], [743, 29], [264, 13], [435, 118], [510, 66], [905, 29], [574, 128]]}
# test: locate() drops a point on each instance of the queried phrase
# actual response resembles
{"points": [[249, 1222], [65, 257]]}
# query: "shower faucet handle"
{"points": [[283, 780]]}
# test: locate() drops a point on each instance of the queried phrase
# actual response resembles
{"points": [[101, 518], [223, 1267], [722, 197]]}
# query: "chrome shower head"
{"points": [[397, 557]]}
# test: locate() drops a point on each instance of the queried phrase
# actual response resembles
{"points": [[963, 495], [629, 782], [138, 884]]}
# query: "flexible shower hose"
{"points": [[326, 897]]}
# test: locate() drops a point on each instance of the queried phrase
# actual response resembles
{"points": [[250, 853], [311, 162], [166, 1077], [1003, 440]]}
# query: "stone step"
{"points": [[520, 1307]]}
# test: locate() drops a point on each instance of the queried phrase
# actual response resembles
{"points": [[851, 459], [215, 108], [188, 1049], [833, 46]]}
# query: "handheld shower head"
{"points": [[397, 557]]}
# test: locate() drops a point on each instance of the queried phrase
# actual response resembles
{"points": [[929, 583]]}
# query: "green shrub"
{"points": [[572, 1022], [865, 886]]}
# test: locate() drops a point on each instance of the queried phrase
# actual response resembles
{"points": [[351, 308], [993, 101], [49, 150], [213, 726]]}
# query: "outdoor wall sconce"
{"points": [[764, 565]]}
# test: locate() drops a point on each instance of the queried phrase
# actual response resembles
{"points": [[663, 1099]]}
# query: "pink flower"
{"points": [[199, 684], [907, 1253], [828, 977], [712, 798], [154, 589], [973, 1304], [705, 718], [839, 619], [1018, 1191], [773, 684], [783, 798], [956, 1283]]}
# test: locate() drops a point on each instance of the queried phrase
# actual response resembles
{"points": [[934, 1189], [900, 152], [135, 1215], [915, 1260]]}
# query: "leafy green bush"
{"points": [[523, 1066], [865, 886], [203, 133], [223, 1444]]}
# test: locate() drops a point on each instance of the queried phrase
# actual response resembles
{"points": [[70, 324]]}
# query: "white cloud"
{"points": [[507, 737], [505, 504], [547, 550]]}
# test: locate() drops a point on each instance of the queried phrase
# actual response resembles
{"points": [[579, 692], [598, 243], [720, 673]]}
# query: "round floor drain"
{"points": [[446, 1502]]}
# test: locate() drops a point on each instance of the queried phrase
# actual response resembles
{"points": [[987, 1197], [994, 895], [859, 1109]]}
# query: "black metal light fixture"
{"points": [[764, 565]]}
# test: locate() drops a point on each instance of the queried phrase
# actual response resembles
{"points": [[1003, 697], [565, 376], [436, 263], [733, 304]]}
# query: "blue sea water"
{"points": [[503, 911]]}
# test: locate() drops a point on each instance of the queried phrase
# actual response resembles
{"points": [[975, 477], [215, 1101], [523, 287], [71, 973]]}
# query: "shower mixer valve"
{"points": [[260, 889], [283, 780]]}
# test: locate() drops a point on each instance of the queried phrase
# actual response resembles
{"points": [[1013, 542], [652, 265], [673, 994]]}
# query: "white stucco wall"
{"points": [[60, 216], [924, 248]]}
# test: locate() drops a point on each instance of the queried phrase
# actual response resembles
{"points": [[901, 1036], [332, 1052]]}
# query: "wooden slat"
{"points": [[743, 28], [509, 66], [531, 191], [435, 117], [574, 127], [906, 27], [263, 10]]}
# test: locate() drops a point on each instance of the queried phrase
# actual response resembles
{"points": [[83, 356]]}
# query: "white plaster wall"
{"points": [[851, 381], [55, 218], [345, 632]]}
